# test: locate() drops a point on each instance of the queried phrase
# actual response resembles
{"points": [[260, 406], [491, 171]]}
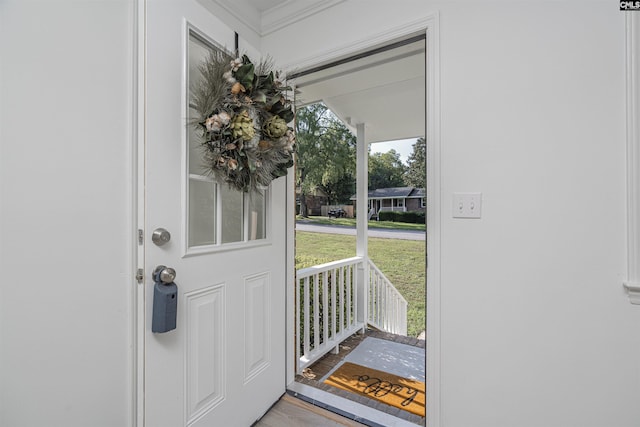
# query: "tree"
{"points": [[340, 190], [386, 170], [325, 155], [416, 175]]}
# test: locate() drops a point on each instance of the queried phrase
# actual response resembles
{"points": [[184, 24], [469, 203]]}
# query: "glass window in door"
{"points": [[217, 215]]}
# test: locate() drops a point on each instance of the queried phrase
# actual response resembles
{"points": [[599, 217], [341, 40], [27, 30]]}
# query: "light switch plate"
{"points": [[467, 205]]}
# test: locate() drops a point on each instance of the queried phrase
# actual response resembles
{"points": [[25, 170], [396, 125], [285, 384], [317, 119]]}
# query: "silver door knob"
{"points": [[160, 236], [164, 274]]}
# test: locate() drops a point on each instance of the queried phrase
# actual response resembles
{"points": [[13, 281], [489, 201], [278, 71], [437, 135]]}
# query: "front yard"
{"points": [[402, 261]]}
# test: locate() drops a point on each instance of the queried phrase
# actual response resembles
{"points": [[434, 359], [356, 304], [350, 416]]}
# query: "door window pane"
{"points": [[257, 207], [198, 52], [232, 214], [217, 214], [202, 208]]}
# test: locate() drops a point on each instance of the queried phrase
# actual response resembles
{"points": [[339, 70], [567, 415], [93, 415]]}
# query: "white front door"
{"points": [[224, 363]]}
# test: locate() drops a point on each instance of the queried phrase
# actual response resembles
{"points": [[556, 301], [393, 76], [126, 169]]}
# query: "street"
{"points": [[373, 232]]}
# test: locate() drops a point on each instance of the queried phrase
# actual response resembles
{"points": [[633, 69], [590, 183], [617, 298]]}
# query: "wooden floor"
{"points": [[292, 412]]}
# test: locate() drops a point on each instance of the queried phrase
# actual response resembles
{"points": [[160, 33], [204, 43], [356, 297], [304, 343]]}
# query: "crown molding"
{"points": [[292, 11], [243, 12], [275, 18]]}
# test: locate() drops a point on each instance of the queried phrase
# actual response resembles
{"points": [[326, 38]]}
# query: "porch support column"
{"points": [[362, 216]]}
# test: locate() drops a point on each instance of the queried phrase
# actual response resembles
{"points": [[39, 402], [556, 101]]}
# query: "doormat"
{"points": [[387, 388]]}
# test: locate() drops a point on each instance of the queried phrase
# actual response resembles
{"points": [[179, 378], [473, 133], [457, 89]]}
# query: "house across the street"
{"points": [[400, 199]]}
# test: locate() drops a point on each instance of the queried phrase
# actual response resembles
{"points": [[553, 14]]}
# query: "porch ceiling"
{"points": [[385, 91]]}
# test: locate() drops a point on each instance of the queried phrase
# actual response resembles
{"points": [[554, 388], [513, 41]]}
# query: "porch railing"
{"points": [[386, 306], [327, 312]]}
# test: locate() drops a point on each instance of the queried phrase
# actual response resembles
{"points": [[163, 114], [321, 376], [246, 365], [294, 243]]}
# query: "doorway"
{"points": [[352, 102]]}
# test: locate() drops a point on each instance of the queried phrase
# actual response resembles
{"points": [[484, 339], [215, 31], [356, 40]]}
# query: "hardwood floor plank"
{"points": [[293, 412]]}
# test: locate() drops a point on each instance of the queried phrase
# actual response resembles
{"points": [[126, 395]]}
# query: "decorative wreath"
{"points": [[242, 117]]}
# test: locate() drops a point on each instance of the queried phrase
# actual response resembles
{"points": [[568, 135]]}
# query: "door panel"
{"points": [[224, 364], [257, 333], [204, 355]]}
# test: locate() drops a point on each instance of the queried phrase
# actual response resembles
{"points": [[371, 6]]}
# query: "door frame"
{"points": [[429, 25], [138, 203]]}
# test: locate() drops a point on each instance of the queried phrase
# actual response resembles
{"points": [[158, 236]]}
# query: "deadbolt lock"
{"points": [[160, 236]]}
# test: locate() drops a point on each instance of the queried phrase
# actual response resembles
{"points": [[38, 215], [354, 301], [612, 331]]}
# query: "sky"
{"points": [[402, 146]]}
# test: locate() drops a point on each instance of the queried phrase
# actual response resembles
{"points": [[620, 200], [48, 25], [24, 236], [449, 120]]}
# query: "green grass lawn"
{"points": [[351, 222], [402, 261]]}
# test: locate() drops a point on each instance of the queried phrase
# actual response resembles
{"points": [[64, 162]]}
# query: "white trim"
{"points": [[434, 205], [243, 12], [290, 12], [290, 295], [138, 208], [346, 407], [275, 18], [290, 276], [291, 292], [226, 247], [396, 33], [632, 27], [361, 192], [633, 289], [362, 225], [189, 29]]}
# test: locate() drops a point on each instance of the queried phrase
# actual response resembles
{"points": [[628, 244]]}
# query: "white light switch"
{"points": [[467, 205]]}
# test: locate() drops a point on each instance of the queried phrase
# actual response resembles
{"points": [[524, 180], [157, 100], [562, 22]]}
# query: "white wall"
{"points": [[249, 37], [536, 329], [65, 188]]}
